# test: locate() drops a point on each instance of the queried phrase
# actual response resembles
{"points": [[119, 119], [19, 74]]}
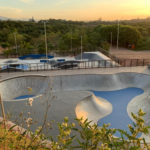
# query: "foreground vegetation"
{"points": [[82, 135], [65, 36]]}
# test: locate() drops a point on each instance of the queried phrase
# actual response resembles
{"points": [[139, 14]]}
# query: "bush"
{"points": [[9, 52], [144, 44], [83, 135], [105, 45]]}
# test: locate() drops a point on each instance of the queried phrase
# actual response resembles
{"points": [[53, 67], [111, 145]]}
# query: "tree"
{"points": [[12, 36], [127, 35]]}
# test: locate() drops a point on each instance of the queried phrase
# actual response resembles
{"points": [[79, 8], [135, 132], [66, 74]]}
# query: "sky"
{"points": [[86, 10]]}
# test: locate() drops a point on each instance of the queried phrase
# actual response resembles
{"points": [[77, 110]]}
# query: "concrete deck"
{"points": [[140, 69]]}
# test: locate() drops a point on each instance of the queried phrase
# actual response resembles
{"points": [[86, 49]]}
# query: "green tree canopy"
{"points": [[127, 34]]}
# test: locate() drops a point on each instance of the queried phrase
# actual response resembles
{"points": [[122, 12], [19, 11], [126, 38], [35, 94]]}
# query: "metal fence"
{"points": [[74, 65], [132, 62]]}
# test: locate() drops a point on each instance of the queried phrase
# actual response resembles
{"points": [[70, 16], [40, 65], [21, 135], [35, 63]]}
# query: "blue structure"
{"points": [[35, 56]]}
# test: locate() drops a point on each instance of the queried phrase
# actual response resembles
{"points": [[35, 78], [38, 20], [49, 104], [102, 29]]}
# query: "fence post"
{"points": [[8, 68], [105, 63], [23, 67], [30, 67], [3, 112]]}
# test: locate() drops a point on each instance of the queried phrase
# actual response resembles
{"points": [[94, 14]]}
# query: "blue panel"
{"points": [[61, 60], [24, 96], [36, 56], [44, 61]]}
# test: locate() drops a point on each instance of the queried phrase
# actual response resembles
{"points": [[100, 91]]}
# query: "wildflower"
{"points": [[66, 133], [64, 124], [30, 101], [73, 125], [28, 122], [39, 129], [66, 119]]}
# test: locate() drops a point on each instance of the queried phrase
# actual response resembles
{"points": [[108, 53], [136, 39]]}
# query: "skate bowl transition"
{"points": [[102, 98]]}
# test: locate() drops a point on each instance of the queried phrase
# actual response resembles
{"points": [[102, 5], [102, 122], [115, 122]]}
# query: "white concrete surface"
{"points": [[93, 108]]}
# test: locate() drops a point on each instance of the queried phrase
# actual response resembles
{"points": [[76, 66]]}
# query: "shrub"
{"points": [[83, 135]]}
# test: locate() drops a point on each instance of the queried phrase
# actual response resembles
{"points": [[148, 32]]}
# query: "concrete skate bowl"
{"points": [[21, 88], [103, 98]]}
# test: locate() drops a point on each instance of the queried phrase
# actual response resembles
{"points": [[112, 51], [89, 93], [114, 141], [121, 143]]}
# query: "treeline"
{"points": [[24, 37]]}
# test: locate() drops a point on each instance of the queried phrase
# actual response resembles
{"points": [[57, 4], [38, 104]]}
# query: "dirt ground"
{"points": [[130, 54]]}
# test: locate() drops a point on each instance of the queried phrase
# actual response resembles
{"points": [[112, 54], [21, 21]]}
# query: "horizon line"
{"points": [[100, 19]]}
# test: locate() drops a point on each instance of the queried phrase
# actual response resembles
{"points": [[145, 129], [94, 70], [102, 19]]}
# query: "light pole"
{"points": [[118, 35], [71, 41], [45, 39], [111, 40], [16, 43], [81, 47]]}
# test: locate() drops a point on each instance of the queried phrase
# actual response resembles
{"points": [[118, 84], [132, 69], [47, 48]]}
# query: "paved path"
{"points": [[130, 54]]}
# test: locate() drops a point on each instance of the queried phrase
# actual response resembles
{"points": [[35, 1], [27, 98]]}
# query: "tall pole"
{"points": [[45, 39], [81, 47], [118, 36], [16, 43], [71, 41], [111, 40]]}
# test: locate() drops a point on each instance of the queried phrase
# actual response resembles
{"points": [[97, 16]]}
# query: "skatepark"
{"points": [[98, 97]]}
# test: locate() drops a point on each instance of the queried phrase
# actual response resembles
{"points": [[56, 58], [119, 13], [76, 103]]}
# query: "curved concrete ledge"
{"points": [[141, 102], [103, 82], [93, 108]]}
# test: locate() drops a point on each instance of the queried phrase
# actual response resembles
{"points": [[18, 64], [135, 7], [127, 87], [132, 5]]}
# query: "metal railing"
{"points": [[74, 65]]}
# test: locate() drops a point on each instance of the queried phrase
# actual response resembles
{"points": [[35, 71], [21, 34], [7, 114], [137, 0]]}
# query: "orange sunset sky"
{"points": [[75, 9]]}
